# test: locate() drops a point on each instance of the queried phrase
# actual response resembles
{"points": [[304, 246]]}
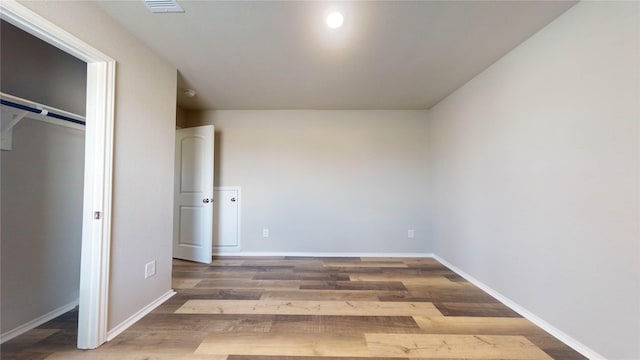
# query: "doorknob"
{"points": [[205, 200], [233, 199]]}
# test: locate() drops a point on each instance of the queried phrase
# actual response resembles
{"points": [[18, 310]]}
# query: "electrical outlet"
{"points": [[411, 234], [265, 233], [150, 269]]}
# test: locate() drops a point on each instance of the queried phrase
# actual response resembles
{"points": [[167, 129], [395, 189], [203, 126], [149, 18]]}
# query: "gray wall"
{"points": [[37, 71], [145, 120], [535, 176], [41, 221], [325, 181]]}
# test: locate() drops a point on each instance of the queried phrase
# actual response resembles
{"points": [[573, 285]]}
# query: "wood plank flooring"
{"points": [[311, 308]]}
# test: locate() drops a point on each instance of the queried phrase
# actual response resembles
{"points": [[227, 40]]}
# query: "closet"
{"points": [[41, 179]]}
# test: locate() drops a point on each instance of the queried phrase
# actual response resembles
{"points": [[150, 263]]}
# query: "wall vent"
{"points": [[163, 6]]}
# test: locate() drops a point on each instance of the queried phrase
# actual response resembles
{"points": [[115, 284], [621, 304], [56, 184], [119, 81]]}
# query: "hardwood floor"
{"points": [[311, 308]]}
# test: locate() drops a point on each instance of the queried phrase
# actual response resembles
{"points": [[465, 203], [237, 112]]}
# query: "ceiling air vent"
{"points": [[163, 6]]}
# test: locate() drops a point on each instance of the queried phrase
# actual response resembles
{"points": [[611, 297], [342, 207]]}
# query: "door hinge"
{"points": [[97, 215]]}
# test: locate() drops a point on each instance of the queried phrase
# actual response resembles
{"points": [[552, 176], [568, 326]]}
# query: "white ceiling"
{"points": [[281, 54]]}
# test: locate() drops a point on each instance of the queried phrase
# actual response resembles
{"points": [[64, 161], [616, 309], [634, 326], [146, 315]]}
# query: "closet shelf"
{"points": [[36, 108], [15, 109]]}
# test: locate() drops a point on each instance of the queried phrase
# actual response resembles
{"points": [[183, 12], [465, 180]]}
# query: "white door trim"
{"points": [[96, 233]]}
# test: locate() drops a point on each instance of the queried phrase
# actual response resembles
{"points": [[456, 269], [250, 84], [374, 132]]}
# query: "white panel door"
{"points": [[193, 194], [225, 221]]}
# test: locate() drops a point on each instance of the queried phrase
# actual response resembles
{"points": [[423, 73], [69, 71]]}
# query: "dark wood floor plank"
{"points": [[301, 275], [466, 294], [325, 295], [221, 294], [205, 274], [357, 285], [406, 296], [253, 268], [553, 347], [455, 277], [205, 322], [255, 284], [324, 258], [475, 309], [310, 324]]}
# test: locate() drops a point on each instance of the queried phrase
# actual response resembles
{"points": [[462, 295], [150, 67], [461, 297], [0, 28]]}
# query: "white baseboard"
{"points": [[37, 322], [322, 254], [111, 334], [560, 335]]}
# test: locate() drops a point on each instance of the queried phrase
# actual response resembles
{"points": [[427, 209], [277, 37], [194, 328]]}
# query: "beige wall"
{"points": [[145, 121], [535, 176], [325, 181]]}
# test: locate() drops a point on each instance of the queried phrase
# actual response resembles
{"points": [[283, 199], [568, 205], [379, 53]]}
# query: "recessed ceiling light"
{"points": [[189, 92], [335, 20]]}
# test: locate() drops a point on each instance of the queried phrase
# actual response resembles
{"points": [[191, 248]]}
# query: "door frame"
{"points": [[98, 168]]}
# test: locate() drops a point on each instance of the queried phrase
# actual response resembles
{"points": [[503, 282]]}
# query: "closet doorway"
{"points": [[43, 95], [95, 215]]}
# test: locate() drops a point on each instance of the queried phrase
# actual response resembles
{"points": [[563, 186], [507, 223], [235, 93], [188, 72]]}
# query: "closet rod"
{"points": [[39, 109]]}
